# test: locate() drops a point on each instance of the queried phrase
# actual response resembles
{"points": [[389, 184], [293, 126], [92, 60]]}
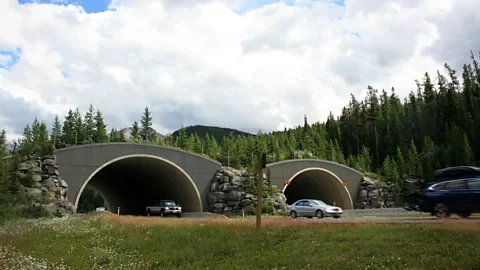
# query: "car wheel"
{"points": [[464, 214], [148, 212], [319, 214], [179, 215], [441, 211], [293, 214], [161, 213]]}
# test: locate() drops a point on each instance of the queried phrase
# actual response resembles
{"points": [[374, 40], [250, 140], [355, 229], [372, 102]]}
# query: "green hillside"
{"points": [[217, 132]]}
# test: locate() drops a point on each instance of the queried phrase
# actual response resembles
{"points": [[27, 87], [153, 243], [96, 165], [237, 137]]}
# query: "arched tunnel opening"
{"points": [[318, 184], [134, 182]]}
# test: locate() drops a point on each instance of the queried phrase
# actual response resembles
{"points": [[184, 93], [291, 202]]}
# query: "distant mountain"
{"points": [[127, 132], [218, 132]]}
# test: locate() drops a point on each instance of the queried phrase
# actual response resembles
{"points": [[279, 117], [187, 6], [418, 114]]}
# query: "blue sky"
{"points": [[93, 6], [13, 57], [90, 6]]}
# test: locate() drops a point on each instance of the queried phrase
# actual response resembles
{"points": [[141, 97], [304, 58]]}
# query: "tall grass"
{"points": [[113, 242]]}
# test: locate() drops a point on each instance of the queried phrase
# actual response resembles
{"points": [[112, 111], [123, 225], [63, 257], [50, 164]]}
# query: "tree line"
{"points": [[434, 127]]}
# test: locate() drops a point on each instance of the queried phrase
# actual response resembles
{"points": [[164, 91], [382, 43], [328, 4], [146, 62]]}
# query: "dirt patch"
{"points": [[452, 224]]}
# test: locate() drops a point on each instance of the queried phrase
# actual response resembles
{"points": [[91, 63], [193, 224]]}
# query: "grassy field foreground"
{"points": [[111, 242]]}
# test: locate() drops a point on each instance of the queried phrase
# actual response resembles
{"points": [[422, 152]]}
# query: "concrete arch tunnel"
{"points": [[131, 182], [318, 183], [132, 176], [316, 179]]}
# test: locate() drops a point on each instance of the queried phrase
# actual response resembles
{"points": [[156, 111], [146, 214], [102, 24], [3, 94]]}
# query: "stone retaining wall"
{"points": [[47, 187], [373, 193], [228, 193]]}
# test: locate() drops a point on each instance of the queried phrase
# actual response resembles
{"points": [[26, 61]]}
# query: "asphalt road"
{"points": [[392, 220], [364, 216]]}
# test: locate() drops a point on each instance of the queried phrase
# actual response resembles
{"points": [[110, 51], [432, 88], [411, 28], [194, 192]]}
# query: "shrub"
{"points": [[267, 208], [58, 213], [250, 210], [34, 211]]}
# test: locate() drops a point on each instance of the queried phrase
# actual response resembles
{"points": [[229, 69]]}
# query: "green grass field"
{"points": [[112, 242]]}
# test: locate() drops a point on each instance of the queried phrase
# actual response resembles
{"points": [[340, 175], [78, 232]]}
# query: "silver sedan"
{"points": [[313, 208]]}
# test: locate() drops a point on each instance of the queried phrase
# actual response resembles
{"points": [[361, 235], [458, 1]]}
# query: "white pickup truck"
{"points": [[164, 207]]}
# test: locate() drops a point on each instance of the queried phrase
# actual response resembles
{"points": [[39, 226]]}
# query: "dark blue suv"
{"points": [[456, 190]]}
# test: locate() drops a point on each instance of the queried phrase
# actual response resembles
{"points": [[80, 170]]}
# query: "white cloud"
{"points": [[200, 62]]}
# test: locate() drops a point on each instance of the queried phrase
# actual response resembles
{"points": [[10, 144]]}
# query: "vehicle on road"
{"points": [[456, 190], [313, 208], [164, 208]]}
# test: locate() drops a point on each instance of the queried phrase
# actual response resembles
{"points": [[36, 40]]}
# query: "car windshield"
{"points": [[318, 202], [169, 203]]}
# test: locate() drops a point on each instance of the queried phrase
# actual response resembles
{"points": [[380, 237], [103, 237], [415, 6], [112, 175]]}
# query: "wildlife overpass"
{"points": [[133, 175], [328, 181]]}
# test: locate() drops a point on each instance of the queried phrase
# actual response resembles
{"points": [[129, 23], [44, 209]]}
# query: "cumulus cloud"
{"points": [[242, 64], [16, 113]]}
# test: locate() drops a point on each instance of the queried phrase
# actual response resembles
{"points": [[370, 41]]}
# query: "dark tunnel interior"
{"points": [[136, 182], [320, 185]]}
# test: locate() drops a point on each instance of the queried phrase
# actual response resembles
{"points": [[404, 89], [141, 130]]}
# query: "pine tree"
{"points": [[214, 151], [364, 160], [6, 196], [182, 138], [197, 144], [136, 132], [79, 128], [89, 124], [43, 141], [413, 162], [455, 143], [68, 129], [168, 141], [468, 157], [373, 115], [56, 135], [387, 168], [206, 144], [3, 142], [121, 136], [25, 148], [100, 133], [339, 158], [114, 135], [147, 133], [428, 155]]}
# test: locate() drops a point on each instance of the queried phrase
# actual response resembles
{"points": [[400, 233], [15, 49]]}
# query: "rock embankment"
{"points": [[43, 184], [229, 193], [373, 193]]}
